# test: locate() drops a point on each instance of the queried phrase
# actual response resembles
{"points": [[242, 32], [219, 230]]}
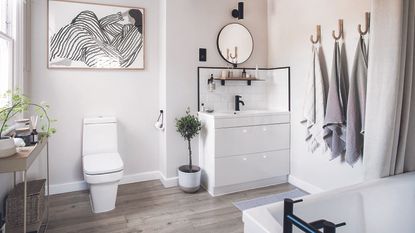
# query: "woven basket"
{"points": [[35, 204]]}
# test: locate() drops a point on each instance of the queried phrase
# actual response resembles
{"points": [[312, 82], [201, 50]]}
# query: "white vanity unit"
{"points": [[244, 150]]}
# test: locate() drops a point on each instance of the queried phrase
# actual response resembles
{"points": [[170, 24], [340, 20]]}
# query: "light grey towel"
{"points": [[335, 118], [357, 105], [315, 100]]}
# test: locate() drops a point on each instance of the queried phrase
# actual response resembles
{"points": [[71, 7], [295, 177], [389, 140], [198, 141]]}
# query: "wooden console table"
{"points": [[21, 162]]}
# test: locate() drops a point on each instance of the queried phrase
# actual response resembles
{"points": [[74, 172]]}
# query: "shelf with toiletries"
{"points": [[231, 75], [248, 80]]}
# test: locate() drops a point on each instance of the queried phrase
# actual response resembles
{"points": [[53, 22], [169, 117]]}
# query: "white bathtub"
{"points": [[382, 206]]}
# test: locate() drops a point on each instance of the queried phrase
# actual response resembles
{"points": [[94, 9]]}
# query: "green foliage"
{"points": [[188, 126], [18, 103]]}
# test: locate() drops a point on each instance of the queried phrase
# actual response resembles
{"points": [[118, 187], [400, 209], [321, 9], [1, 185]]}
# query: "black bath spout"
{"points": [[291, 220]]}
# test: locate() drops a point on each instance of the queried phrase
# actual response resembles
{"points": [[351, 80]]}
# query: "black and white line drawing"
{"points": [[88, 41]]}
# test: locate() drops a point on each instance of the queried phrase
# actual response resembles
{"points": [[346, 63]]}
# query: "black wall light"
{"points": [[239, 13]]}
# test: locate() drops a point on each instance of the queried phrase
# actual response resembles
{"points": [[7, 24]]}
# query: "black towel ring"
{"points": [[161, 117]]}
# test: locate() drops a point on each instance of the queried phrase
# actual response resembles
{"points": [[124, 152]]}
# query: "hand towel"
{"points": [[357, 105], [315, 101], [335, 118]]}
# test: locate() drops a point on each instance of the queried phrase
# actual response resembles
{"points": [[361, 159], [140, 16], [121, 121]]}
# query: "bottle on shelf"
{"points": [[34, 136], [211, 83], [244, 73]]}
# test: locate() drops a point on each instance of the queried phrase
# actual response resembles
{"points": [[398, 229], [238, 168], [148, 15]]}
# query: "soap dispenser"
{"points": [[211, 83]]}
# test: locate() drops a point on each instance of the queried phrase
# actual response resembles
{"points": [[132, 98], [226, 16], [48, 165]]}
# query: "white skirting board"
{"points": [[312, 189], [140, 177], [68, 187], [168, 182], [127, 179]]}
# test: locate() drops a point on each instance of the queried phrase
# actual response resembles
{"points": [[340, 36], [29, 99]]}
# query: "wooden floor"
{"points": [[149, 207]]}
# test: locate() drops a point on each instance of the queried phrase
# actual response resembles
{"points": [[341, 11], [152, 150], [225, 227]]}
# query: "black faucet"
{"points": [[237, 102]]}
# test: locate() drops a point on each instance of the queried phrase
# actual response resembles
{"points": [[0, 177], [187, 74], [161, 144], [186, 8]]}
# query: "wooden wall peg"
{"points": [[338, 37], [367, 25], [318, 39]]}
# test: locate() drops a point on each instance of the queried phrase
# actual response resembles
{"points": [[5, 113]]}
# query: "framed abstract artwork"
{"points": [[95, 36]]}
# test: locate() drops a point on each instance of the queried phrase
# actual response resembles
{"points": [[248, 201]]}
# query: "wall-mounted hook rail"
{"points": [[318, 39], [340, 36], [367, 25]]}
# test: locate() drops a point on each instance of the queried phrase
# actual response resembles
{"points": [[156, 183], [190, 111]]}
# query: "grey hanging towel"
{"points": [[357, 105], [315, 101], [335, 118]]}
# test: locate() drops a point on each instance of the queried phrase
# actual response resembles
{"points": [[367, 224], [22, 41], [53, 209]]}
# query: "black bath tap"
{"points": [[237, 102]]}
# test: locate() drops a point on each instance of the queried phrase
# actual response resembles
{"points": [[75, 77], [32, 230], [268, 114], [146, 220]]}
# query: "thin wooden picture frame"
{"points": [[142, 9]]}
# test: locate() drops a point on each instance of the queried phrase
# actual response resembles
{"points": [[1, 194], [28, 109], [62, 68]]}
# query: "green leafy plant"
{"points": [[19, 103], [188, 126]]}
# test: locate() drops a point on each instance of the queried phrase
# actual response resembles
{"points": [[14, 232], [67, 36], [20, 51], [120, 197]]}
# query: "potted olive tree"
{"points": [[189, 175], [19, 103]]}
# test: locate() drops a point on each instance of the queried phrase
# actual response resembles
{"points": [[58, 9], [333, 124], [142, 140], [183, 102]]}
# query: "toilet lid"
{"points": [[97, 164]]}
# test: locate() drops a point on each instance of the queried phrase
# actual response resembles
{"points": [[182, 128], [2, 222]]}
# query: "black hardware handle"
{"points": [[340, 224]]}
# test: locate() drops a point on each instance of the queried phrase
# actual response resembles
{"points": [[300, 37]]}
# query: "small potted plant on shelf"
{"points": [[18, 103], [189, 175]]}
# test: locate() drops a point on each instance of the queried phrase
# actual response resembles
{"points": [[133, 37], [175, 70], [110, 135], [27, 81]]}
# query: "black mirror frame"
{"points": [[220, 53]]}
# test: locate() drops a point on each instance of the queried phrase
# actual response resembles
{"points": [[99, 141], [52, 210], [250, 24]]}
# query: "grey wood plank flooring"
{"points": [[149, 207]]}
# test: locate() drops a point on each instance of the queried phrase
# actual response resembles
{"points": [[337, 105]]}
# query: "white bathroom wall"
{"points": [[290, 24], [278, 89], [131, 96], [134, 97], [191, 25]]}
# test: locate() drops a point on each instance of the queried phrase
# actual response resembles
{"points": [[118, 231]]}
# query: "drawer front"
{"points": [[253, 120], [251, 139], [241, 169]]}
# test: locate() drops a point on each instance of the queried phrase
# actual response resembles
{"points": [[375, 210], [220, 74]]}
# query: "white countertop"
{"points": [[245, 113]]}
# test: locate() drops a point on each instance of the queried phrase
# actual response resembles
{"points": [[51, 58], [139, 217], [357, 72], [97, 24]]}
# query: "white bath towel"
{"points": [[335, 119], [357, 105], [315, 101]]}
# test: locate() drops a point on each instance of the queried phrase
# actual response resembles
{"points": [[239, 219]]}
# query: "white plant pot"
{"points": [[7, 147], [189, 182]]}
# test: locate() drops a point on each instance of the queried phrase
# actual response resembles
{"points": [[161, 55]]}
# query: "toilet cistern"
{"points": [[237, 102]]}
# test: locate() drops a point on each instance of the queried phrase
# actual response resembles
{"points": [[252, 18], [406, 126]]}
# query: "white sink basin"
{"points": [[245, 118]]}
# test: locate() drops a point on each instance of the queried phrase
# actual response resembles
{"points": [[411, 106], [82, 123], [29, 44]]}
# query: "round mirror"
{"points": [[235, 43]]}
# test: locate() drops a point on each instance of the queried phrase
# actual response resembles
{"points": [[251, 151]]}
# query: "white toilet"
{"points": [[102, 164]]}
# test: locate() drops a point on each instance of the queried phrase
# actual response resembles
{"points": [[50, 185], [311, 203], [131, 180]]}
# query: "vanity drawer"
{"points": [[283, 117], [251, 139], [246, 168]]}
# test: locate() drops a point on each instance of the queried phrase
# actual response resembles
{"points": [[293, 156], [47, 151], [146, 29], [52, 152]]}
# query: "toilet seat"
{"points": [[99, 164]]}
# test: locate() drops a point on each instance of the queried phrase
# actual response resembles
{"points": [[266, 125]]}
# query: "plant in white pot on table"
{"points": [[18, 103], [189, 175]]}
